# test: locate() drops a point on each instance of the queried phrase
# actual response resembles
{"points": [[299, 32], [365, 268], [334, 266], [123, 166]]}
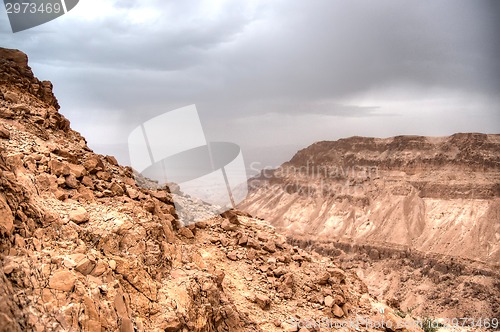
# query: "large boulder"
{"points": [[6, 217]]}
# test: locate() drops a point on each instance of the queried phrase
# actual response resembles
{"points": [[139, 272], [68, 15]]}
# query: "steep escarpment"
{"points": [[416, 217], [433, 194], [84, 248]]}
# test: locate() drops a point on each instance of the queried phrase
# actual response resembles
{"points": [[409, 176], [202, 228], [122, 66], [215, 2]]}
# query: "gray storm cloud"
{"points": [[272, 76]]}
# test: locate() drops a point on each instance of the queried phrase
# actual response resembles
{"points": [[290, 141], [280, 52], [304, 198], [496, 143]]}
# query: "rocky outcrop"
{"points": [[17, 75], [454, 287], [82, 246], [433, 194]]}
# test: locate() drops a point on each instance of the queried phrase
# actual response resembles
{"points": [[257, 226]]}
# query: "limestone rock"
{"points": [[77, 170], [112, 160], [232, 216], [59, 168], [186, 232], [11, 97], [4, 133], [85, 266], [93, 164], [269, 246], [232, 256], [228, 226], [71, 181], [63, 280], [337, 311], [262, 301], [6, 217], [79, 215], [324, 278], [329, 302]]}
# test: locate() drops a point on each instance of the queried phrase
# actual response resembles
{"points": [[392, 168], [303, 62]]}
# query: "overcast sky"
{"points": [[272, 76]]}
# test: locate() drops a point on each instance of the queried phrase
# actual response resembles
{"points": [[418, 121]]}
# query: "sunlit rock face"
{"points": [[434, 194]]}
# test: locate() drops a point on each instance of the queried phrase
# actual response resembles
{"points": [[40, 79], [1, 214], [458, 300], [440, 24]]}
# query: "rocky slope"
{"points": [[83, 248], [439, 195], [417, 218]]}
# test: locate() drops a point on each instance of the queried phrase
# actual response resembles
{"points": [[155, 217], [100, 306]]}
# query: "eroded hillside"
{"points": [[418, 218], [83, 248], [439, 195]]}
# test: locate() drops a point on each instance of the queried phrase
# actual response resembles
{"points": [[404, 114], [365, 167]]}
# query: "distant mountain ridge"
{"points": [[434, 194]]}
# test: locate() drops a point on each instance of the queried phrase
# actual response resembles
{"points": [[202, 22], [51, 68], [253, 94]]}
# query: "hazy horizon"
{"points": [[272, 77]]}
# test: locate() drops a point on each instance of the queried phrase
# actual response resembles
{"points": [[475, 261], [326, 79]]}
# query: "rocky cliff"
{"points": [[432, 194], [84, 248]]}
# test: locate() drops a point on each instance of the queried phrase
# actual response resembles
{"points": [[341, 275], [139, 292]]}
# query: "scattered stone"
{"points": [[79, 215], [346, 309], [62, 280], [339, 299], [324, 278], [232, 256], [4, 133], [269, 246], [252, 243], [93, 164], [287, 327], [219, 277], [105, 176], [172, 323], [60, 194], [99, 268], [116, 189], [174, 188], [71, 182], [10, 266], [337, 275], [162, 196], [85, 266], [86, 194], [127, 269], [279, 271], [11, 97], [201, 224], [329, 302], [243, 240], [59, 168], [6, 217], [87, 181], [186, 232], [262, 237], [19, 241], [126, 325], [337, 311], [374, 254], [112, 160], [231, 216], [6, 113], [263, 301], [77, 170], [227, 226], [149, 206], [132, 193], [112, 264]]}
